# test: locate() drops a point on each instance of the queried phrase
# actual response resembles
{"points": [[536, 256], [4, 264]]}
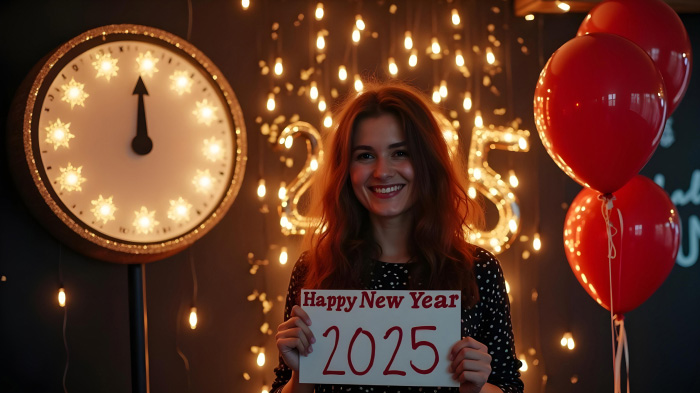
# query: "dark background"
{"points": [[662, 332]]}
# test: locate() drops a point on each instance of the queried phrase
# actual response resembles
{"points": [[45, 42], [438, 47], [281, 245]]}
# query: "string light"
{"points": [[319, 11], [265, 389], [536, 242], [355, 36], [262, 190], [455, 17], [524, 367], [393, 69], [320, 41], [61, 297], [512, 179], [407, 40], [478, 120], [342, 73], [278, 66], [563, 6], [261, 357], [193, 317], [313, 91], [530, 17], [467, 103], [283, 256], [271, 102], [359, 22], [358, 84], [327, 120], [413, 59], [435, 46], [322, 104], [459, 58], [245, 4], [436, 95], [282, 193], [443, 88], [567, 341], [490, 58]]}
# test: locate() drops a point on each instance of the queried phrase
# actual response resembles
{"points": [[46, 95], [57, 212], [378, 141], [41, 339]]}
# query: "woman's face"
{"points": [[381, 171]]}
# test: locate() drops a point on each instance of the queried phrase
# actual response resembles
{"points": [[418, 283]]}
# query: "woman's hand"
{"points": [[294, 337], [471, 365]]}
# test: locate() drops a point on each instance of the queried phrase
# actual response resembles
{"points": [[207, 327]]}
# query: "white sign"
{"points": [[394, 338]]}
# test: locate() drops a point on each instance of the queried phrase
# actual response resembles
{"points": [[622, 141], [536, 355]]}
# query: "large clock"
{"points": [[128, 143]]}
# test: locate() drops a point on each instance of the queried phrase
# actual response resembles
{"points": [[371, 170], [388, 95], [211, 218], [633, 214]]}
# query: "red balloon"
{"points": [[600, 109], [646, 245], [656, 28]]}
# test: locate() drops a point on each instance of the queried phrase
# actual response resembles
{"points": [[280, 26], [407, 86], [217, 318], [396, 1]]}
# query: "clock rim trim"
{"points": [[85, 231]]}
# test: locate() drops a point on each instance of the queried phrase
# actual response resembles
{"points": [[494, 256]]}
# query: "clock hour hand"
{"points": [[141, 143]]}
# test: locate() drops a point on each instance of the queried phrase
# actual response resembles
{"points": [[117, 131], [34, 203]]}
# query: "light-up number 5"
{"points": [[293, 222]]}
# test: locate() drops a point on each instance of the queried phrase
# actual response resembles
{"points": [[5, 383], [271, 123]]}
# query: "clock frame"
{"points": [[62, 208]]}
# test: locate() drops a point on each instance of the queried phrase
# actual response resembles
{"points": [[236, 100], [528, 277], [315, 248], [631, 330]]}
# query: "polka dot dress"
{"points": [[488, 322]]}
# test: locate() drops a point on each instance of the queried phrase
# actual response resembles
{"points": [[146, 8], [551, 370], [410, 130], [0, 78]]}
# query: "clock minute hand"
{"points": [[141, 144]]}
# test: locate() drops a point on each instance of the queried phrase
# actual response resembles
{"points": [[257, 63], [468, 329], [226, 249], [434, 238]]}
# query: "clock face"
{"points": [[136, 138]]}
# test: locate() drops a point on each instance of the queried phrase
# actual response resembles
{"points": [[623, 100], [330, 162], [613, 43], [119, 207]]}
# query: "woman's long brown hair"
{"points": [[342, 248]]}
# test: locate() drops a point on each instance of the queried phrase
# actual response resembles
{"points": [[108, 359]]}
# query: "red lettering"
{"points": [[371, 358], [387, 370], [417, 344], [416, 297], [427, 301], [395, 301], [380, 302], [309, 297], [370, 301], [335, 346], [453, 298]]}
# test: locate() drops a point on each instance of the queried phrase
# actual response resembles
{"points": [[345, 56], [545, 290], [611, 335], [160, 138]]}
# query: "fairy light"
{"points": [[322, 104], [203, 181], [282, 193], [436, 95], [393, 69], [147, 63], [319, 11], [358, 84], [58, 134], [284, 221], [103, 209], [435, 46], [359, 23], [355, 35], [478, 120], [467, 103], [536, 242], [313, 165], [265, 389], [455, 17], [262, 190], [522, 359], [70, 178], [471, 192], [530, 17], [105, 66], [512, 179], [342, 73], [563, 6], [288, 142], [74, 93], [567, 340], [320, 41], [283, 256], [477, 173], [205, 112], [313, 91], [490, 58], [261, 358], [443, 88], [179, 210], [278, 66], [61, 297], [328, 120], [245, 4], [459, 58], [271, 102], [144, 221], [193, 317], [413, 59], [407, 40]]}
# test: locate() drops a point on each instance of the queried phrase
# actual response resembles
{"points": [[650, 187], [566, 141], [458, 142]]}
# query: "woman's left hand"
{"points": [[471, 365]]}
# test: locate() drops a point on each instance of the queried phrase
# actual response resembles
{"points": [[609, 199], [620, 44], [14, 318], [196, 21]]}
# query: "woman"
{"points": [[393, 212]]}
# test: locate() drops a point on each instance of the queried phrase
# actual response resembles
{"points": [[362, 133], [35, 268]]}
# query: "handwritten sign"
{"points": [[395, 338]]}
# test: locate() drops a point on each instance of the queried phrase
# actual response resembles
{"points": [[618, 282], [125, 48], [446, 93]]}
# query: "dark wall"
{"points": [[32, 355]]}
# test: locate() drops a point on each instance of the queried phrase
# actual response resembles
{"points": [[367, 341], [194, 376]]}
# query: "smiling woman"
{"points": [[393, 211]]}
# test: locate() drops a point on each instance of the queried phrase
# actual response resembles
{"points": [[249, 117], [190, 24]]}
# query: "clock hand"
{"points": [[141, 143]]}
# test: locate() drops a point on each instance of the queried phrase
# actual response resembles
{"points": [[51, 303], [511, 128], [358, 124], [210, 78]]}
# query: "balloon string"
{"points": [[605, 208], [622, 347]]}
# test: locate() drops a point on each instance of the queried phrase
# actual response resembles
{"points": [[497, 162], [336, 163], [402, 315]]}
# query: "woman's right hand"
{"points": [[294, 337]]}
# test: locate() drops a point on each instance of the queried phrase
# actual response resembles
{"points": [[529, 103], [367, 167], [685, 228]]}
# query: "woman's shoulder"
{"points": [[486, 263], [301, 267]]}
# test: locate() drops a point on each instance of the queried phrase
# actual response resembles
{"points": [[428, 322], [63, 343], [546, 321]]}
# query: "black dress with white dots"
{"points": [[488, 322]]}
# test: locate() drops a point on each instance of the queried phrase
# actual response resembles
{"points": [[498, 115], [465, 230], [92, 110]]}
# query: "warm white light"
{"points": [[478, 120], [313, 165], [319, 11], [203, 181], [358, 84], [283, 256], [563, 6], [512, 225], [279, 68], [288, 142], [179, 210], [455, 17], [477, 173], [145, 221], [322, 104], [524, 367], [74, 93], [193, 318], [435, 46], [393, 69], [181, 82], [512, 179], [320, 41], [262, 190], [103, 209], [536, 242], [436, 95], [105, 66], [61, 297], [265, 389], [507, 284], [271, 102], [313, 91], [147, 64], [490, 58], [327, 121], [261, 359], [245, 4], [58, 134], [471, 192], [467, 103], [522, 143], [359, 22], [567, 340], [530, 17], [408, 41], [443, 89], [413, 59], [205, 112], [342, 73], [70, 178], [355, 35], [212, 149], [282, 192], [459, 58], [284, 222]]}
